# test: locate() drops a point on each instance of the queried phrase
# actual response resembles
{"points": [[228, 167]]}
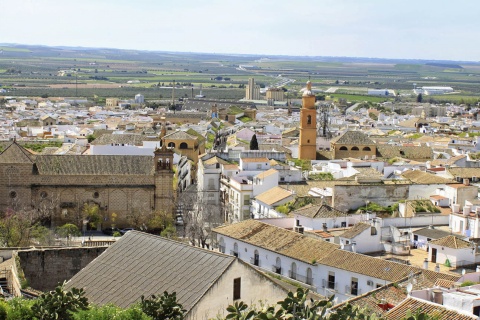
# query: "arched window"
{"points": [[354, 149], [278, 266], [171, 145], [309, 276], [343, 148], [366, 149], [309, 119], [235, 249], [293, 271], [183, 145]]}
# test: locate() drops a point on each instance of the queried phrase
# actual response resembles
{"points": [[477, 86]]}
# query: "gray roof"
{"points": [[353, 137], [355, 230], [94, 165], [180, 135], [409, 152], [322, 211], [143, 264], [131, 139], [15, 153], [432, 233]]}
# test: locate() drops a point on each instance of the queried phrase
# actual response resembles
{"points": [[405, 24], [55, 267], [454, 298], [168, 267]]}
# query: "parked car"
{"points": [[111, 231], [125, 230]]}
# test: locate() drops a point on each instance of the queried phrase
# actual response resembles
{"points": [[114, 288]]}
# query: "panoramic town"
{"points": [[173, 185]]}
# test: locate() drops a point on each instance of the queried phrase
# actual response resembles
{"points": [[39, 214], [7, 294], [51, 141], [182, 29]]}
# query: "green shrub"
{"points": [[467, 283], [59, 304]]}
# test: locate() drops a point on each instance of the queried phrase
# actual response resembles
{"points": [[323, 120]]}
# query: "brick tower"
{"points": [[308, 126], [164, 195]]}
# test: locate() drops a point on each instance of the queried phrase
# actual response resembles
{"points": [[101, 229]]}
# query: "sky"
{"points": [[407, 29]]}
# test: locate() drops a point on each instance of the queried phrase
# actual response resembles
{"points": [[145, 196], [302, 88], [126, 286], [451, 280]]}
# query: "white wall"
{"points": [[435, 220], [456, 256]]}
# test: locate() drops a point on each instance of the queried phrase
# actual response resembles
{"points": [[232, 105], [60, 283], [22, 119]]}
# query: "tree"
{"points": [[68, 230], [59, 303], [419, 97], [90, 213], [254, 143], [163, 307]]}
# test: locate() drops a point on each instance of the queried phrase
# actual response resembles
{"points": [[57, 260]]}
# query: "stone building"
{"points": [[60, 185], [353, 144]]}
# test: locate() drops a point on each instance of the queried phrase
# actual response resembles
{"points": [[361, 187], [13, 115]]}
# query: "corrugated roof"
{"points": [[286, 242], [94, 165], [143, 264]]}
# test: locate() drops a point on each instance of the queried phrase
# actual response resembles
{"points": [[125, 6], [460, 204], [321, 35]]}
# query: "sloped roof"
{"points": [[131, 139], [386, 151], [464, 172], [352, 137], [428, 307], [355, 230], [94, 165], [266, 173], [319, 211], [451, 241], [180, 135], [273, 238], [431, 233], [214, 160], [421, 177], [274, 195], [15, 153], [143, 264]]}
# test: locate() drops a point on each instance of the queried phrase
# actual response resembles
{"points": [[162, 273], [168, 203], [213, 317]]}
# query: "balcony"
{"points": [[330, 285], [277, 269], [295, 276], [255, 261]]}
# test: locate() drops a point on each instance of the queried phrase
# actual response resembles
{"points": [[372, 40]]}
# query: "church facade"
{"points": [[121, 186]]}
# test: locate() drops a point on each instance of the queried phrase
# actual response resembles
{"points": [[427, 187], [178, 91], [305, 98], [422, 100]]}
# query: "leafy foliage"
{"points": [[68, 230], [59, 303], [254, 143], [163, 307], [321, 176]]}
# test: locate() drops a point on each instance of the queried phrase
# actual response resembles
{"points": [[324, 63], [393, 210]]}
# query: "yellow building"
{"points": [[276, 94], [308, 126]]}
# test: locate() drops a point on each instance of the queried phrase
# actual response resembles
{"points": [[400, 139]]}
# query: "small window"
{"points": [[237, 287], [354, 149], [13, 194], [366, 149], [343, 148], [309, 119], [43, 194], [96, 194], [354, 287]]}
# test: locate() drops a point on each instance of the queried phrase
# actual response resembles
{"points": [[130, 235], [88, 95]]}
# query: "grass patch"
{"points": [[245, 119]]}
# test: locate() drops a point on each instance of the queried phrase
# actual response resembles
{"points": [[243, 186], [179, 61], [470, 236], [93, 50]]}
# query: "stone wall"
{"points": [[349, 197], [45, 269]]}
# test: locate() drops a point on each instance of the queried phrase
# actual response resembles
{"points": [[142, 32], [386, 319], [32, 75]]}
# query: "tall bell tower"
{"points": [[308, 126], [164, 189]]}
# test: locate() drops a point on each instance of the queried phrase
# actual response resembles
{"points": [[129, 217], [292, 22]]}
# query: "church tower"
{"points": [[163, 159], [308, 126]]}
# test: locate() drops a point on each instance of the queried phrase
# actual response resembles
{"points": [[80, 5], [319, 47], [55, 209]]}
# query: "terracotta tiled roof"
{"points": [[131, 139], [214, 160], [15, 153], [351, 138], [355, 230], [464, 172], [430, 308], [452, 242], [285, 242], [274, 195], [255, 160], [321, 211], [421, 177], [445, 283], [94, 165], [266, 173], [414, 153]]}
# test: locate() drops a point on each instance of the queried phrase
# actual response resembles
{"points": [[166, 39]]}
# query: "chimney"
{"points": [[466, 182], [325, 227], [425, 264], [438, 296]]}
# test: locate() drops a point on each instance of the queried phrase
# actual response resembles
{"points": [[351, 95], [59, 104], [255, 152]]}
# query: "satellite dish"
{"points": [[409, 288]]}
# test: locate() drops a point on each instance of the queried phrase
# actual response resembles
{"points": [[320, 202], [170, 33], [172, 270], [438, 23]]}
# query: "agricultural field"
{"points": [[88, 72]]}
